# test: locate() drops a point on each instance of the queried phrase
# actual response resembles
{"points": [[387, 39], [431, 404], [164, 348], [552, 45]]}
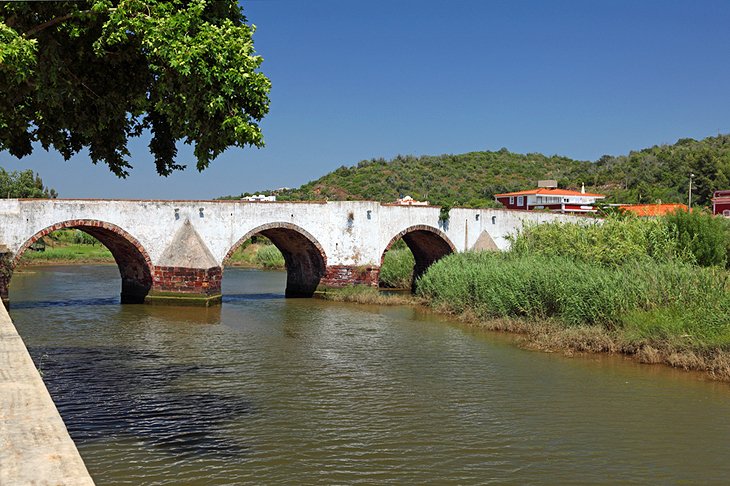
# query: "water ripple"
{"points": [[87, 302], [134, 394]]}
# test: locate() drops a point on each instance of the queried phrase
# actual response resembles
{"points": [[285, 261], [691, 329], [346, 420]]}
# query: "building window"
{"points": [[539, 199], [566, 200], [726, 213], [520, 201], [511, 199]]}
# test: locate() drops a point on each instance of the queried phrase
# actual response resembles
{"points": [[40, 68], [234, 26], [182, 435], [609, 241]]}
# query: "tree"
{"points": [[704, 166], [23, 184], [92, 74]]}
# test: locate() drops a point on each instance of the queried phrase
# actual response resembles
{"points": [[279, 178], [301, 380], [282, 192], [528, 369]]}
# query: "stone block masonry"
{"points": [[187, 286], [35, 447], [344, 275]]}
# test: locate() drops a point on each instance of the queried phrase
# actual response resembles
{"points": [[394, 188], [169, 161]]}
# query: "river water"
{"points": [[267, 390]]}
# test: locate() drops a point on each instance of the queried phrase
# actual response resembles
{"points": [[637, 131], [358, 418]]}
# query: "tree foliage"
{"points": [[92, 74], [23, 184]]}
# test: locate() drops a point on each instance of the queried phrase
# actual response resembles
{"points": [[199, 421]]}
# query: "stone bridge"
{"points": [[175, 251]]}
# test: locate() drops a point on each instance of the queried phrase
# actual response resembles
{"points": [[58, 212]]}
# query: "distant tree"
{"points": [[24, 184], [705, 167], [95, 73]]}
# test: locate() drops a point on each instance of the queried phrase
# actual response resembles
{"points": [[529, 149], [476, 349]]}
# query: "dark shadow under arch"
{"points": [[304, 257], [132, 259], [427, 244]]}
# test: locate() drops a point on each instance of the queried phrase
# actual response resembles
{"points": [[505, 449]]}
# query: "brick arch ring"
{"points": [[86, 223], [278, 225], [419, 227]]}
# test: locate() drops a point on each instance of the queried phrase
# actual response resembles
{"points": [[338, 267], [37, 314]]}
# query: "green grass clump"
{"points": [[397, 269], [269, 256], [69, 253], [685, 325], [635, 296], [261, 253], [363, 294]]}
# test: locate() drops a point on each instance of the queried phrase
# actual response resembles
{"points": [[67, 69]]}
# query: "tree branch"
{"points": [[48, 24], [56, 21]]}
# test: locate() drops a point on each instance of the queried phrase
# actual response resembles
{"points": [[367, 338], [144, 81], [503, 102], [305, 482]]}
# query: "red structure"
{"points": [[550, 198], [721, 203], [653, 209]]}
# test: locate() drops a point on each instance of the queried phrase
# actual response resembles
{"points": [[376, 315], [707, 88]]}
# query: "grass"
{"points": [[257, 255], [269, 257], [397, 269], [649, 299], [63, 253], [362, 294]]}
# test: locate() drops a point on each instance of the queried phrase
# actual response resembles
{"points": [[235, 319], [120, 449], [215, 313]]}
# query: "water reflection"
{"points": [[140, 394], [231, 298]]}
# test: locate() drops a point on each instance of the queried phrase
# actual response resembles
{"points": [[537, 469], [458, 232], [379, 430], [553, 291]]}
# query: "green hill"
{"points": [[472, 179]]}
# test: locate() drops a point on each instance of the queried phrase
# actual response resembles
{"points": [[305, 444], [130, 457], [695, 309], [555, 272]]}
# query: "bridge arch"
{"points": [[428, 244], [305, 259], [135, 266]]}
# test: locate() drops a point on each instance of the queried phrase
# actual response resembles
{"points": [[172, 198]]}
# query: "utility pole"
{"points": [[690, 191]]}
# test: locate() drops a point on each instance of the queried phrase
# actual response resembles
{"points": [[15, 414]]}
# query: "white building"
{"points": [[259, 198]]}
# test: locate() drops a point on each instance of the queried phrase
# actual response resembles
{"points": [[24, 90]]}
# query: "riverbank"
{"points": [[68, 255], [672, 313], [554, 336]]}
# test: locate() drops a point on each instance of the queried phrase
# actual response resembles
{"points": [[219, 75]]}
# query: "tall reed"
{"points": [[635, 296], [397, 269], [269, 256]]}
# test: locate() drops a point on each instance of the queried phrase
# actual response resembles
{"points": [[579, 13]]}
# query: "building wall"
{"points": [[718, 207]]}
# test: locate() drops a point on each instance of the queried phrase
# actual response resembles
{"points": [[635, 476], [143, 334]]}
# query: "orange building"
{"points": [[653, 209]]}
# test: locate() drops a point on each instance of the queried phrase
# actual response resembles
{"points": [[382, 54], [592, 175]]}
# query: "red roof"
{"points": [[550, 191], [653, 209]]}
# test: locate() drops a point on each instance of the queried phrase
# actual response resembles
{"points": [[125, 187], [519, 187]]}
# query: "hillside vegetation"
{"points": [[471, 179]]}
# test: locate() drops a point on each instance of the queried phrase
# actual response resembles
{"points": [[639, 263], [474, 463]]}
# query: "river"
{"points": [[267, 390]]}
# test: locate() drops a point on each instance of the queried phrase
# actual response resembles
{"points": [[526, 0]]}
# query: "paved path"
{"points": [[35, 448]]}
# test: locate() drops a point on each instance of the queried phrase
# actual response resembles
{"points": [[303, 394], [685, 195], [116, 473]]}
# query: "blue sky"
{"points": [[354, 80]]}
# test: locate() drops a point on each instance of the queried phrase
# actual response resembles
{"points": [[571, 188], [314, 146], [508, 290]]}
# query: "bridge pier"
{"points": [[187, 273], [6, 272], [4, 291], [185, 286], [344, 275]]}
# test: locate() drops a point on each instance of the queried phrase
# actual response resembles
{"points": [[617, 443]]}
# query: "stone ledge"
{"points": [[35, 447]]}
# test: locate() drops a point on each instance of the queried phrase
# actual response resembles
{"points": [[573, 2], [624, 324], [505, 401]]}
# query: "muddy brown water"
{"points": [[267, 390]]}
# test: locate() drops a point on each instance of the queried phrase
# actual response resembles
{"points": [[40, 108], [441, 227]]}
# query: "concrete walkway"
{"points": [[35, 448]]}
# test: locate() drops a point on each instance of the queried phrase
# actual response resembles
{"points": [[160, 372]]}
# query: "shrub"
{"points": [[695, 238], [397, 268], [700, 235], [268, 256]]}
